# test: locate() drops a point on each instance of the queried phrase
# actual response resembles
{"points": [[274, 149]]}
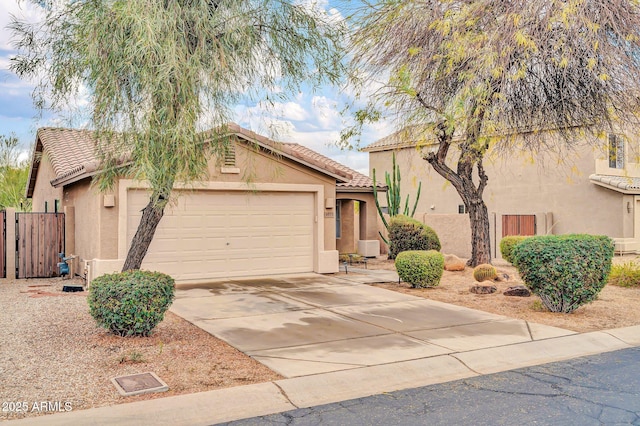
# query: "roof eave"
{"points": [[616, 188]]}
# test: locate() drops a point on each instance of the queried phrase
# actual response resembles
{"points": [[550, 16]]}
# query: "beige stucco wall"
{"points": [[43, 191], [518, 184], [85, 202]]}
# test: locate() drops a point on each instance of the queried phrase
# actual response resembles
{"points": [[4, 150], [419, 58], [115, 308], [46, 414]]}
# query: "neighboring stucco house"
{"points": [[266, 208], [593, 190]]}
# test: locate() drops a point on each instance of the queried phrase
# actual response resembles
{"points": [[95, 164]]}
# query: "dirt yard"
{"points": [[52, 351], [615, 306]]}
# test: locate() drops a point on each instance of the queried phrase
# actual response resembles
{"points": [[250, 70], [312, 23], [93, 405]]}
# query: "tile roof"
{"points": [[624, 184], [72, 155], [406, 137], [357, 180]]}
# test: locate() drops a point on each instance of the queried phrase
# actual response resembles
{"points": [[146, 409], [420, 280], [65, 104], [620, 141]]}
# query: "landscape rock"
{"points": [[483, 288], [518, 291], [453, 263], [502, 276]]}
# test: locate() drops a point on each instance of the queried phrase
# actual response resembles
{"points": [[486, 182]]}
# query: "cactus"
{"points": [[393, 196], [484, 272]]}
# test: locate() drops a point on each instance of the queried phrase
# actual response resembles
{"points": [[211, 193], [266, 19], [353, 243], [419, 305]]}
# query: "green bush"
{"points": [[130, 303], [625, 275], [508, 243], [565, 271], [420, 268], [406, 233]]}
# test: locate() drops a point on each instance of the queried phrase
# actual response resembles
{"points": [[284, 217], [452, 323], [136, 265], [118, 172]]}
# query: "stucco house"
{"points": [[592, 190], [292, 215]]}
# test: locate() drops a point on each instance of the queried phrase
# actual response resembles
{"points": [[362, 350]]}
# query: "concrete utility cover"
{"points": [[137, 384]]}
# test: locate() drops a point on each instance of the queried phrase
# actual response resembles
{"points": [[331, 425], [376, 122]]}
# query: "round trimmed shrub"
{"points": [[508, 243], [130, 303], [565, 271], [406, 233], [420, 268]]}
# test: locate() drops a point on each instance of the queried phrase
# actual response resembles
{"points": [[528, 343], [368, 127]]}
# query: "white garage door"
{"points": [[217, 234]]}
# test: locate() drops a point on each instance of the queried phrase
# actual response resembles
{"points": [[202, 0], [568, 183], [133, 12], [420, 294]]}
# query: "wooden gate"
{"points": [[518, 224], [3, 244], [39, 240]]}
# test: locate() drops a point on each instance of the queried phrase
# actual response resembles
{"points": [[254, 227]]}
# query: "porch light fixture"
{"points": [[628, 207]]}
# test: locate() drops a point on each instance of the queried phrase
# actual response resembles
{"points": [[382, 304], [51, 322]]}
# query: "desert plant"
{"points": [[406, 233], [484, 272], [420, 268], [565, 271], [393, 196], [508, 243], [130, 303], [625, 275]]}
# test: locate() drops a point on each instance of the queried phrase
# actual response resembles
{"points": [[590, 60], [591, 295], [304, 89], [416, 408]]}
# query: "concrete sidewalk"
{"points": [[335, 339]]}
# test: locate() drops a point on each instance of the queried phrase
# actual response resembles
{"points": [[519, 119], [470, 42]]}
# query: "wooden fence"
{"points": [[518, 224], [39, 240]]}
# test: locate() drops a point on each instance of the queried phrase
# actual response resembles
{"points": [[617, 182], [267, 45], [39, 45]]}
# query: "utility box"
{"points": [[369, 248]]}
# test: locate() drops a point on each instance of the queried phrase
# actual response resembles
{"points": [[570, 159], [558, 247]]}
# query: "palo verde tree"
{"points": [[14, 174], [160, 71], [499, 74]]}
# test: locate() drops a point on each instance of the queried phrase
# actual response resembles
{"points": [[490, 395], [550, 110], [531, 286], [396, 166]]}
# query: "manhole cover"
{"points": [[137, 384]]}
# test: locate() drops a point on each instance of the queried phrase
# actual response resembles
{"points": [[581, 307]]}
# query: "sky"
{"points": [[310, 119]]}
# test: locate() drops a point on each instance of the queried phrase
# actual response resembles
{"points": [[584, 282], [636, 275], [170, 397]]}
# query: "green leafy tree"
{"points": [[160, 71], [476, 75], [13, 175], [393, 196]]}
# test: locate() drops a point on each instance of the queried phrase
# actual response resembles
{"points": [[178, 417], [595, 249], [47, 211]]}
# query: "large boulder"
{"points": [[453, 263]]}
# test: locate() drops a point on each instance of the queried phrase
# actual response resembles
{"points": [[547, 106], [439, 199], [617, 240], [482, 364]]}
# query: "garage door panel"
{"points": [[215, 234]]}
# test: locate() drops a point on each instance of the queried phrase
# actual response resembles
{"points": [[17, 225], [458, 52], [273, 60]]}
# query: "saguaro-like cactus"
{"points": [[393, 195]]}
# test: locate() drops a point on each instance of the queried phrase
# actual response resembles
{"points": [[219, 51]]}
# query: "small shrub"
{"points": [[625, 275], [406, 233], [133, 357], [130, 303], [565, 271], [537, 306], [484, 272], [508, 243], [420, 268]]}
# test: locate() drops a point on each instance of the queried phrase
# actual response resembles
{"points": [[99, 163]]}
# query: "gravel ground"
{"points": [[613, 308], [54, 358]]}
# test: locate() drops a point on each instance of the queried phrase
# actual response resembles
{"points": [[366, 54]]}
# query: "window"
{"points": [[616, 152], [462, 209], [338, 220], [46, 207], [56, 206]]}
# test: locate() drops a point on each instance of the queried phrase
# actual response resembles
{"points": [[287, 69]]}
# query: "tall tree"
{"points": [[499, 74], [14, 174], [160, 71]]}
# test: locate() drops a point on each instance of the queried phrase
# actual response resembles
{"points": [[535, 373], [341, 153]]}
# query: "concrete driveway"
{"points": [[309, 324]]}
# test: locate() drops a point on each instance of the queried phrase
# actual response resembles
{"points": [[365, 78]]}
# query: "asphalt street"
{"points": [[601, 389]]}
